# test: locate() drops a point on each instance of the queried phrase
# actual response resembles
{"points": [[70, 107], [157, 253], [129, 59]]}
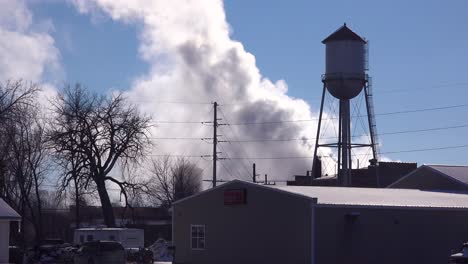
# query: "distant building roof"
{"points": [[435, 177], [459, 173], [379, 197], [6, 212], [343, 33]]}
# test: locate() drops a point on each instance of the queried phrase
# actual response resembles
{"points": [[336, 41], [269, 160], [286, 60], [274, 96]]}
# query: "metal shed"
{"points": [[7, 214], [242, 222]]}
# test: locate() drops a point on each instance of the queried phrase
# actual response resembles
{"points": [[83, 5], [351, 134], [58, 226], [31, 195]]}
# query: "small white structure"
{"points": [[7, 214], [128, 237]]}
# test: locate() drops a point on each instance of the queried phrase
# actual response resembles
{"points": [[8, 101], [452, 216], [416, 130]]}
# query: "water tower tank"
{"points": [[345, 63]]}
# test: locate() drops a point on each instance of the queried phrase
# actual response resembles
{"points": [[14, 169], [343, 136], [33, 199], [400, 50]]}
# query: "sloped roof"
{"points": [[379, 197], [349, 196], [459, 173], [6, 212], [343, 33]]}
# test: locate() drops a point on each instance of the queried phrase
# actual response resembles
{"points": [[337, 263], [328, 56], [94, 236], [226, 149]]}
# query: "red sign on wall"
{"points": [[235, 196]]}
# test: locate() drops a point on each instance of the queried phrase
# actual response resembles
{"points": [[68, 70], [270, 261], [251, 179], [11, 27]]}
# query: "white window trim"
{"points": [[191, 238]]}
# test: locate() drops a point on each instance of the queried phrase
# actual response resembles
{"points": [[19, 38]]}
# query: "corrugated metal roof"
{"points": [[6, 212], [343, 33], [379, 197], [459, 173]]}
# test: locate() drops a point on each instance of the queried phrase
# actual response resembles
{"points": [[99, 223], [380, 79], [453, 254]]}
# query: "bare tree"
{"points": [[170, 181], [101, 131], [22, 153], [27, 166], [15, 97]]}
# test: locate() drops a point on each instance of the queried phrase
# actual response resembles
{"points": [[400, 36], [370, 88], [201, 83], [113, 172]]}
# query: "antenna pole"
{"points": [[215, 141]]}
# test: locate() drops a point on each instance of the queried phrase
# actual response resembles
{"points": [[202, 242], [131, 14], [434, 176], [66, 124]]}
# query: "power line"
{"points": [[314, 119], [435, 87], [172, 102], [388, 91], [386, 152], [381, 134], [334, 118], [426, 149], [236, 137], [179, 122], [178, 138]]}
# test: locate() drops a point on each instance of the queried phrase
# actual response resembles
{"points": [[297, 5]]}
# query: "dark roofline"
{"points": [[445, 165], [343, 33]]}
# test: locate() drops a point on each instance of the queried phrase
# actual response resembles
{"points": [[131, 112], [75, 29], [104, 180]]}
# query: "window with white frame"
{"points": [[197, 236]]}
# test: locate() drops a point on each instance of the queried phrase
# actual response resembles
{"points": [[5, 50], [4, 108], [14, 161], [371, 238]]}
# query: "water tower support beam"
{"points": [[345, 142], [318, 132], [339, 141]]}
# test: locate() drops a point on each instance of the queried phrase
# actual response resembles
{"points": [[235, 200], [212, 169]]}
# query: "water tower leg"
{"points": [[318, 134], [338, 171]]}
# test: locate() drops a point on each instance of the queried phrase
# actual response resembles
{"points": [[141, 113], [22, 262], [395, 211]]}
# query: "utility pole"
{"points": [[215, 141]]}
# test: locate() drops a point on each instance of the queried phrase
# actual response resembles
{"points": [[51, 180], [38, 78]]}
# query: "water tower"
{"points": [[345, 78]]}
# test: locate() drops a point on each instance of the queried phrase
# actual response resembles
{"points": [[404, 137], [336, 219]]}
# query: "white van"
{"points": [[128, 237]]}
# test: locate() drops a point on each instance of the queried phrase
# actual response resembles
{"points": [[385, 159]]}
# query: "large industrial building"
{"points": [[242, 222]]}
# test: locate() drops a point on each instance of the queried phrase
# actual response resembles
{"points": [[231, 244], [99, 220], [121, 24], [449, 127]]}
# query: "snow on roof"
{"points": [[379, 196], [459, 173], [6, 212]]}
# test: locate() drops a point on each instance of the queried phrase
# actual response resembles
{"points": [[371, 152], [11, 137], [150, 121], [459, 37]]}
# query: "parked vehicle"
{"points": [[461, 257], [99, 251], [50, 252], [128, 237]]}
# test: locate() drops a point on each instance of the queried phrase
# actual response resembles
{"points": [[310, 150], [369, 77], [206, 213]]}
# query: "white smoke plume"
{"points": [[193, 58]]}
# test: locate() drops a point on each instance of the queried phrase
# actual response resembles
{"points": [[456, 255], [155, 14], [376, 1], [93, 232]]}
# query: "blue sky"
{"points": [[418, 58], [415, 46]]}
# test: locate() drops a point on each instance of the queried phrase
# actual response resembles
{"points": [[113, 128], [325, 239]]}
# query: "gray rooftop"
{"points": [[459, 173], [6, 212], [379, 197]]}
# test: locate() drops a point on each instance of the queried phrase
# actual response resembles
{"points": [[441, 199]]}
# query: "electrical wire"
{"points": [[309, 139]]}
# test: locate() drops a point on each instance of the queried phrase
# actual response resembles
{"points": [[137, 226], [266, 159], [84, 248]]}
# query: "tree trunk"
{"points": [[38, 221], [107, 211], [77, 204]]}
